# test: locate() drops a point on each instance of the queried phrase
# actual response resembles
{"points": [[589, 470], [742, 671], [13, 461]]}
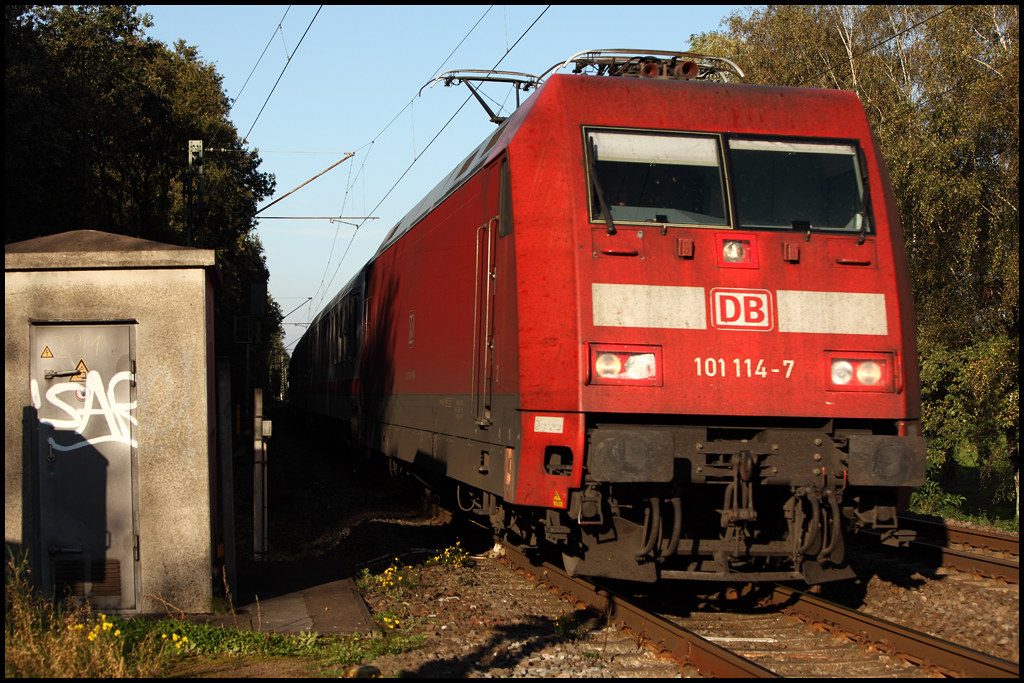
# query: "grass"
{"points": [[985, 499], [47, 638]]}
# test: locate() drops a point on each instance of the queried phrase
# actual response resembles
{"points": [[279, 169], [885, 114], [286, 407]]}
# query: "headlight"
{"points": [[625, 365], [641, 366], [734, 251], [607, 365], [842, 372], [859, 371], [869, 372]]}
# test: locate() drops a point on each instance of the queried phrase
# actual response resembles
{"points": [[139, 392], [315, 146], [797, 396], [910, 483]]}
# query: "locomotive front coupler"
{"points": [[738, 507], [782, 458]]}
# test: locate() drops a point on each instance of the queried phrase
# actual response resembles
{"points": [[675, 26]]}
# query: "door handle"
{"points": [[53, 550], [50, 374]]}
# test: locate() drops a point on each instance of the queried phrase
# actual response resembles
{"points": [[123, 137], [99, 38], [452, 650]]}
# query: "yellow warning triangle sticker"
{"points": [[82, 371], [46, 353], [557, 500]]}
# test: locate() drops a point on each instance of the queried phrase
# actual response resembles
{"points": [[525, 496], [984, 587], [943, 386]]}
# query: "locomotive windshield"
{"points": [[659, 178], [680, 179], [782, 184]]}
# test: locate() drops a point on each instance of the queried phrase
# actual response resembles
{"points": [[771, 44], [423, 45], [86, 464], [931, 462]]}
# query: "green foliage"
{"points": [[97, 123], [64, 639], [454, 557], [930, 499], [568, 627], [970, 396], [356, 649], [185, 638], [940, 85], [397, 580]]}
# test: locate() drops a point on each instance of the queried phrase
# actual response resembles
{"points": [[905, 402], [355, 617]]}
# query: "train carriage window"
{"points": [[660, 178], [781, 184], [505, 201]]}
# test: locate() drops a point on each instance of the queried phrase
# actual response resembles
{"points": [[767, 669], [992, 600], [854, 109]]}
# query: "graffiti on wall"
{"points": [[88, 404]]}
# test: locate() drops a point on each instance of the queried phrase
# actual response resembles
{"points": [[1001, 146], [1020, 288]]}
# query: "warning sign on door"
{"points": [[82, 371]]}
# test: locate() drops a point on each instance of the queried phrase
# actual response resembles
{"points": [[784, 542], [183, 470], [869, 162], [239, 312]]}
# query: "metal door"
{"points": [[83, 387], [483, 322], [495, 200]]}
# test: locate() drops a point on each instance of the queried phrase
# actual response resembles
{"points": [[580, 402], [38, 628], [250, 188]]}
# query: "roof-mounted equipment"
{"points": [[523, 82], [658, 64]]}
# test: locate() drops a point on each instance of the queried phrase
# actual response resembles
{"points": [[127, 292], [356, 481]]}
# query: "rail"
{"points": [[712, 659], [914, 646], [984, 553], [707, 657]]}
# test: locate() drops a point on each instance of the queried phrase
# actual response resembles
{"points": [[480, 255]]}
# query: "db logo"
{"points": [[742, 309]]}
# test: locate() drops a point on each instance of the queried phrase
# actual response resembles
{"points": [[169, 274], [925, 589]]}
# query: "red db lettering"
{"points": [[731, 308], [742, 309], [753, 310]]}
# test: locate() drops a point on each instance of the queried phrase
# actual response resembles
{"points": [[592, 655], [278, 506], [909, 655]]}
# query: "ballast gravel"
{"points": [[488, 621]]}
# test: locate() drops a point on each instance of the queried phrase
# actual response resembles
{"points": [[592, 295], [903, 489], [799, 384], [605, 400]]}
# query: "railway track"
{"points": [[791, 633], [974, 551]]}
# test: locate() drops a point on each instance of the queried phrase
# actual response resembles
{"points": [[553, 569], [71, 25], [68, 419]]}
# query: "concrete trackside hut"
{"points": [[109, 444]]}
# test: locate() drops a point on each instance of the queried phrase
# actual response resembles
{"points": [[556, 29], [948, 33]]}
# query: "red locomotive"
{"points": [[658, 321]]}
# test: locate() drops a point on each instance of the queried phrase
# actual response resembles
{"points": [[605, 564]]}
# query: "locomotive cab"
{"points": [[746, 386]]}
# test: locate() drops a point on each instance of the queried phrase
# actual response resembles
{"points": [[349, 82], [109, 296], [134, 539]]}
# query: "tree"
{"points": [[940, 85], [98, 118]]}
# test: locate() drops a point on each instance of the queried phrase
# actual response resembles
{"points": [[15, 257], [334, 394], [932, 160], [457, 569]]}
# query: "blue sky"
{"points": [[357, 70]]}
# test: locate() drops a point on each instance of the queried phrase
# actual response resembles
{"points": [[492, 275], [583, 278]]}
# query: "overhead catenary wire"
{"points": [[261, 56], [308, 299], [286, 64], [404, 173], [880, 43], [235, 100], [322, 288], [388, 193]]}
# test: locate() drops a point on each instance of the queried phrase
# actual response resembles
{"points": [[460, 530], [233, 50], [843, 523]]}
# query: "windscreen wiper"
{"points": [[865, 199], [592, 163], [863, 213]]}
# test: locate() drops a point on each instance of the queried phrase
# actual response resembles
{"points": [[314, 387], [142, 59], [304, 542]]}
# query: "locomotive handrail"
{"points": [[605, 60]]}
